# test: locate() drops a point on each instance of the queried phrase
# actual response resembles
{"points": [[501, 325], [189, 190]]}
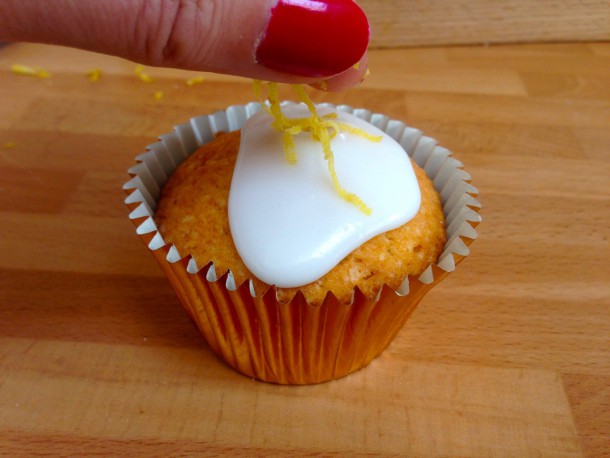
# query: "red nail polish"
{"points": [[314, 38]]}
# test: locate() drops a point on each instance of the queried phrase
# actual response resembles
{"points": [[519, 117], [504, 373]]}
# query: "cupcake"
{"points": [[301, 269]]}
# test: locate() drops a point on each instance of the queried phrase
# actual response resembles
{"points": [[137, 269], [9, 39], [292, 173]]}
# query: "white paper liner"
{"points": [[155, 166]]}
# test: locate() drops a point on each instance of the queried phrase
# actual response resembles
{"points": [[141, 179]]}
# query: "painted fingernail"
{"points": [[314, 38]]}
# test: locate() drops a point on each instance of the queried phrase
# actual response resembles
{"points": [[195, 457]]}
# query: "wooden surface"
{"points": [[507, 357], [448, 22]]}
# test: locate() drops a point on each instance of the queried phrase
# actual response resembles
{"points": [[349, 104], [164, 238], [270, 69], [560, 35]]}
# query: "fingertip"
{"points": [[350, 78], [314, 39]]}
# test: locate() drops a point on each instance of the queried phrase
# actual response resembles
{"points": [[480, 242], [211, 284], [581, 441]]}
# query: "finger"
{"points": [[278, 40]]}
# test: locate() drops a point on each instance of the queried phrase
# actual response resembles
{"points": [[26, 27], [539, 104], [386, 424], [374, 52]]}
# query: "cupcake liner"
{"points": [[295, 342]]}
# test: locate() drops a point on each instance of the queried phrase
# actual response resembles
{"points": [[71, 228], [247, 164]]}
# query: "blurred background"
{"points": [[446, 22]]}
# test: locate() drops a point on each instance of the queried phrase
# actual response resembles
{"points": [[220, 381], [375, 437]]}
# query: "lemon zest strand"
{"points": [[142, 75], [195, 80], [94, 75], [26, 70], [320, 133], [361, 133]]}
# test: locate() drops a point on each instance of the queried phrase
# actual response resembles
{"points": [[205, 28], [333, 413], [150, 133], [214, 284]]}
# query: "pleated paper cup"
{"points": [[295, 342]]}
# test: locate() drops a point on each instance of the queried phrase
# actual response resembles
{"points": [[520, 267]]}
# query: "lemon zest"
{"points": [[195, 80], [322, 129], [158, 95], [288, 127], [361, 133], [144, 77], [94, 75], [26, 70]]}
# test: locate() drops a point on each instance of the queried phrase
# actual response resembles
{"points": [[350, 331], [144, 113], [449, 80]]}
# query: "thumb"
{"points": [[276, 40]]}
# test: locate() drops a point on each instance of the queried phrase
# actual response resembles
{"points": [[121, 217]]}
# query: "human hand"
{"points": [[289, 41]]}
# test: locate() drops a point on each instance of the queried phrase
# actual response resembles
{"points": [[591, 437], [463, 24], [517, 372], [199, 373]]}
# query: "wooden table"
{"points": [[508, 357]]}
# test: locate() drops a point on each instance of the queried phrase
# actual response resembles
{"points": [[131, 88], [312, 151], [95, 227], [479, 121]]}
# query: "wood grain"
{"points": [[509, 356], [396, 23]]}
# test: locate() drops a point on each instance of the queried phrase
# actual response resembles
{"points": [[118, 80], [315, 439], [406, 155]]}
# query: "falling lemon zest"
{"points": [[94, 75], [195, 80], [322, 129], [144, 77], [158, 95], [357, 65], [26, 70]]}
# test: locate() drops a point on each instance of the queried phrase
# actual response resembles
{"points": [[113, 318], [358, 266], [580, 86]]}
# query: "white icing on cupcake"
{"points": [[289, 224]]}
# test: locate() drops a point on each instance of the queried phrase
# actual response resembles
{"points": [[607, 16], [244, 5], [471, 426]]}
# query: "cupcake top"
{"points": [[192, 214], [289, 224]]}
